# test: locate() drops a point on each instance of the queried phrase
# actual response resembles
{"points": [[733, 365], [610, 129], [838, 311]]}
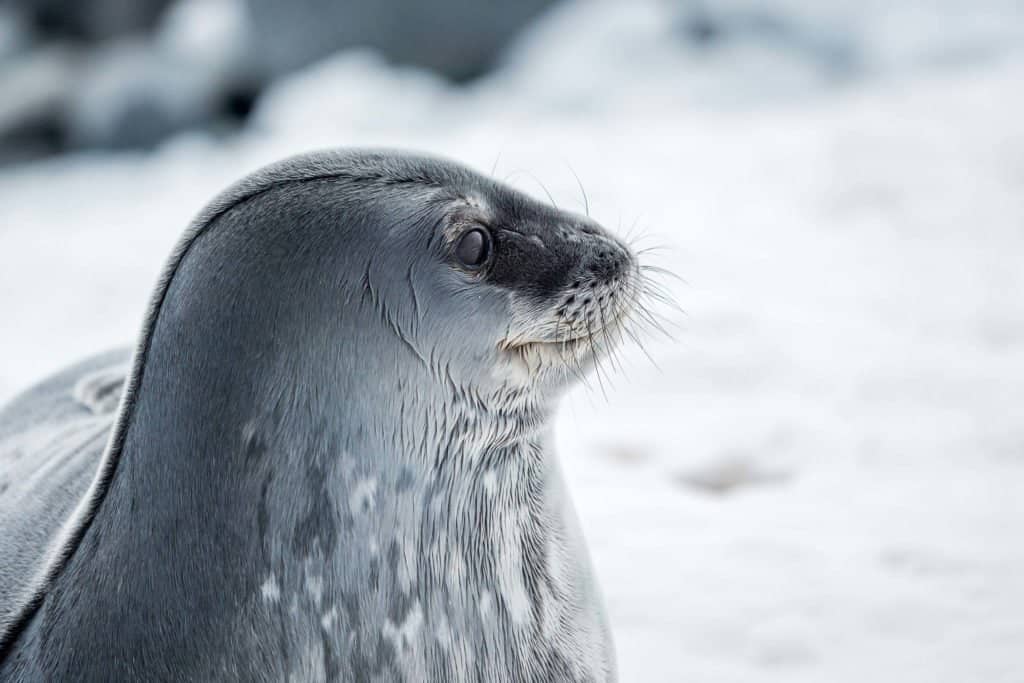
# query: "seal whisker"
{"points": [[650, 321], [643, 315], [629, 236], [586, 201], [494, 166], [624, 321], [638, 235], [663, 271], [651, 287], [622, 327], [653, 249], [628, 329], [536, 180], [658, 301], [569, 363], [662, 296], [597, 361], [607, 340]]}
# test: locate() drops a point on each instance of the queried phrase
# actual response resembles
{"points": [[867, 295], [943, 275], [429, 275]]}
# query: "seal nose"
{"points": [[607, 263]]}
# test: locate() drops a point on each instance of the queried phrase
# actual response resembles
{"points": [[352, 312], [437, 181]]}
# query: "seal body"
{"points": [[330, 458]]}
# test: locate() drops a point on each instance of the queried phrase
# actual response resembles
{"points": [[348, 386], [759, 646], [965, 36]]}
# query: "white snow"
{"points": [[822, 479]]}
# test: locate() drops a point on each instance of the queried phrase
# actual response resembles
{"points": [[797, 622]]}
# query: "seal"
{"points": [[329, 455]]}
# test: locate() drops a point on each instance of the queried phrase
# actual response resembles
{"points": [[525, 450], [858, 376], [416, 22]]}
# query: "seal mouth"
{"points": [[567, 344], [573, 348]]}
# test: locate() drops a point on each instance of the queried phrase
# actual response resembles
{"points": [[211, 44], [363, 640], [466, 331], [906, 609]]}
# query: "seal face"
{"points": [[568, 283], [331, 457], [532, 278]]}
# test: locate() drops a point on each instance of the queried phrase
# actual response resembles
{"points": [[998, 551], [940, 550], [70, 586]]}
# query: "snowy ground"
{"points": [[822, 479]]}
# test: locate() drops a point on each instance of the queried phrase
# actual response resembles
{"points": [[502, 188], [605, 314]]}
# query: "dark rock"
{"points": [[459, 39], [160, 68], [90, 20]]}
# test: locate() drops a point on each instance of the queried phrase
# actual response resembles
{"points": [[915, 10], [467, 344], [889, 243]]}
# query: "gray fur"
{"points": [[331, 458], [51, 441]]}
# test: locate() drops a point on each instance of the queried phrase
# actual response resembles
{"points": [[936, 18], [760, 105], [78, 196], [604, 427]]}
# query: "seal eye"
{"points": [[473, 248]]}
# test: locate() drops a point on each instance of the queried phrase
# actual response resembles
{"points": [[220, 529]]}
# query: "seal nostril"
{"points": [[607, 264]]}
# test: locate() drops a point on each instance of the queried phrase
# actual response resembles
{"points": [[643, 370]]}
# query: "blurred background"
{"points": [[822, 476]]}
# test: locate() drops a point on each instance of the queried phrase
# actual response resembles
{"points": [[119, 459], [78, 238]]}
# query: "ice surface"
{"points": [[822, 478]]}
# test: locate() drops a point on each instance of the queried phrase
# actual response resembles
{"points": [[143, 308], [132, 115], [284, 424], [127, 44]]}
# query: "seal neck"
{"points": [[322, 497]]}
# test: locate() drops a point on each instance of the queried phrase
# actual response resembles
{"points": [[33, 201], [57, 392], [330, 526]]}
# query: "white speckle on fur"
{"points": [[314, 580], [490, 482], [309, 665], [510, 567], [456, 571], [556, 570], [248, 431], [270, 591], [485, 603], [315, 587], [363, 496], [407, 561], [403, 636], [328, 617], [549, 615], [443, 630]]}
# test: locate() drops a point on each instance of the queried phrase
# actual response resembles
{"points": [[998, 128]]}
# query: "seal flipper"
{"points": [[100, 391], [52, 439]]}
